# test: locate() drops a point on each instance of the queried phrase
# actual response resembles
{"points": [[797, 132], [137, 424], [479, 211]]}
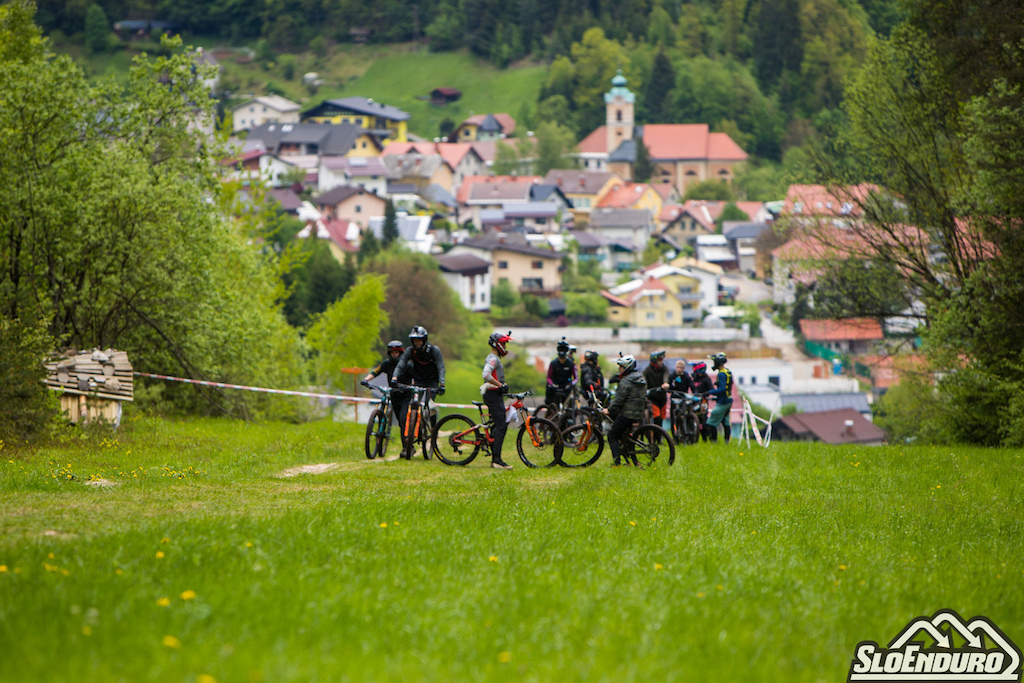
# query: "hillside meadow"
{"points": [[202, 560]]}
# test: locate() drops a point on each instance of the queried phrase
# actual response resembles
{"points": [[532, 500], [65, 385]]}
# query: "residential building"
{"points": [[483, 127], [687, 286], [369, 173], [382, 120], [844, 426], [742, 237], [342, 235], [682, 154], [470, 277], [461, 158], [643, 303], [632, 226], [261, 110], [708, 274], [351, 204], [493, 192], [299, 139], [527, 268], [414, 231], [627, 195], [419, 170], [850, 336], [584, 189]]}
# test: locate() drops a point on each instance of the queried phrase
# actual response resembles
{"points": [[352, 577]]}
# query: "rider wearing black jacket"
{"points": [[421, 365]]}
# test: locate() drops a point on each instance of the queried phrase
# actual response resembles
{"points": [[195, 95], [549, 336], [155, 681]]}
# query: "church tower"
{"points": [[619, 112]]}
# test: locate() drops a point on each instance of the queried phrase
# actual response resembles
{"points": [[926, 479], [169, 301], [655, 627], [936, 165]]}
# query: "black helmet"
{"points": [[418, 332], [718, 359], [498, 341], [590, 356], [395, 345], [563, 347], [657, 356]]}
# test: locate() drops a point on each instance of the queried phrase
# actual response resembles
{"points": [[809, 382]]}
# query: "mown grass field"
{"points": [[736, 564]]}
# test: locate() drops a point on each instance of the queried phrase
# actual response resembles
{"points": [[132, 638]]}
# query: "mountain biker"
{"points": [[656, 376], [591, 376], [628, 405], [723, 395], [423, 365], [701, 385], [493, 389], [561, 375], [387, 366]]}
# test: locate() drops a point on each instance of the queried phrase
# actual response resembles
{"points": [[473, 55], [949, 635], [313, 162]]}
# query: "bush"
{"points": [[29, 408]]}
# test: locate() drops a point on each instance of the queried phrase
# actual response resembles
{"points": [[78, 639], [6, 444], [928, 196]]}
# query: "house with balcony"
{"points": [[470, 277], [382, 120], [645, 302], [369, 173], [584, 189], [529, 269], [484, 127], [261, 110], [352, 204]]}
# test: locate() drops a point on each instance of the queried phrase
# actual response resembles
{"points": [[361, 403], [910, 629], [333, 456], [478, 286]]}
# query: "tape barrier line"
{"points": [[308, 394]]}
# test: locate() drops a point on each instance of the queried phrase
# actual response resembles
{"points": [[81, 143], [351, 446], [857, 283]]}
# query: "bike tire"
{"points": [[409, 433], [582, 445], [424, 434], [377, 435], [452, 450], [653, 444], [691, 430], [547, 411], [547, 451]]}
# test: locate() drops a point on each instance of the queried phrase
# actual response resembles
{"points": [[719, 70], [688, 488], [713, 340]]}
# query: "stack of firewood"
{"points": [[101, 374]]}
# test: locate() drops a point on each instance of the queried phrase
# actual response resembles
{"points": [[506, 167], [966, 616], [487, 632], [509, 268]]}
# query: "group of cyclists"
{"points": [[422, 364]]}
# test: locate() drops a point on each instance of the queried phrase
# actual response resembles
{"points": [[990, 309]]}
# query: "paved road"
{"points": [[751, 291]]}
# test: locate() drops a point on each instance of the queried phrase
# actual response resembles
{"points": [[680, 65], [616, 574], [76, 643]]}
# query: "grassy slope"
{"points": [[773, 564], [393, 74]]}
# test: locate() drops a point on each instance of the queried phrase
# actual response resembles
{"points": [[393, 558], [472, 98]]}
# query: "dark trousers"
{"points": [[620, 427], [401, 402], [496, 409]]}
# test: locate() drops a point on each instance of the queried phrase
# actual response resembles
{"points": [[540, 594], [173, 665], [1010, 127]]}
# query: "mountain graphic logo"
{"points": [[984, 653]]}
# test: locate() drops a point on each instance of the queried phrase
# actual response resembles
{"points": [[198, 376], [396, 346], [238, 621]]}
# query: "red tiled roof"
{"points": [[721, 147], [674, 141], [595, 143], [848, 329], [818, 200], [469, 181], [830, 427], [629, 298], [663, 189], [670, 212], [623, 195], [508, 124]]}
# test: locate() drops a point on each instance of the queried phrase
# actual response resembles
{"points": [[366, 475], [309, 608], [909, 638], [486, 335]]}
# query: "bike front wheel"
{"points": [[376, 444], [539, 443], [691, 429], [457, 440], [653, 444], [582, 445]]}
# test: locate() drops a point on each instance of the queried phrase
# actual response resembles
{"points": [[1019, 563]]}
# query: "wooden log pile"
{"points": [[98, 374]]}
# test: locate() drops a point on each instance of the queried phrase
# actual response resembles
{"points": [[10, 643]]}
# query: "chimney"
{"points": [[849, 428]]}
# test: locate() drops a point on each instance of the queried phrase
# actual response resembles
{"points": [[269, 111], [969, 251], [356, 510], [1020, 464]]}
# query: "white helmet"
{"points": [[627, 363]]}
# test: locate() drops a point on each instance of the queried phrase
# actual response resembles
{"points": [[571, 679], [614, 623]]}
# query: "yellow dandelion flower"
{"points": [[65, 572], [632, 523], [700, 595], [165, 540], [86, 631], [163, 602], [842, 567], [188, 595], [657, 566], [395, 523], [654, 519], [159, 554], [248, 544], [383, 525], [119, 571], [3, 568], [205, 678], [720, 587], [505, 657], [171, 642], [50, 555], [492, 558]]}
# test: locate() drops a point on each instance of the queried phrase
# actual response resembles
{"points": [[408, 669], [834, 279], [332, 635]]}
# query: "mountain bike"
{"points": [[583, 443], [378, 428], [458, 440], [686, 422], [419, 419], [566, 413]]}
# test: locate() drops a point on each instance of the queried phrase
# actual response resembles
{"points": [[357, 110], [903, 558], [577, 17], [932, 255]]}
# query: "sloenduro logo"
{"points": [[986, 654]]}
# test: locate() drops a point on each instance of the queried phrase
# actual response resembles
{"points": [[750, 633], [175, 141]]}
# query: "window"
{"points": [[650, 316], [533, 283], [472, 298], [753, 380], [582, 202], [537, 265], [539, 221], [668, 315], [618, 114], [503, 265], [359, 208], [264, 110], [774, 380], [364, 144]]}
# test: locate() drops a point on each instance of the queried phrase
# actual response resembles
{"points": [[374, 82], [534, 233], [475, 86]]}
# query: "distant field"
{"points": [[393, 74], [736, 564]]}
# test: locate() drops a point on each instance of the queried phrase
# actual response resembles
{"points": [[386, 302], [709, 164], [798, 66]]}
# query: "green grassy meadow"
{"points": [[205, 564]]}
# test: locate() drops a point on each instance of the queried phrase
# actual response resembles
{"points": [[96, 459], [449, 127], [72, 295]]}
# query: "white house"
{"points": [[470, 277], [369, 173], [266, 109], [274, 168], [413, 230]]}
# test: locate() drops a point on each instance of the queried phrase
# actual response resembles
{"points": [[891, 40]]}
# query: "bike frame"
{"points": [[422, 409], [485, 428]]}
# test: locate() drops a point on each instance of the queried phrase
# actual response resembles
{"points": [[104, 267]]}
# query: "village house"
{"points": [[627, 195], [695, 290], [682, 153], [413, 231], [483, 127], [369, 173], [844, 426], [384, 121], [633, 227], [850, 336], [527, 268], [304, 139], [420, 170], [342, 236], [461, 158], [470, 277], [584, 189], [264, 109], [352, 204], [643, 303]]}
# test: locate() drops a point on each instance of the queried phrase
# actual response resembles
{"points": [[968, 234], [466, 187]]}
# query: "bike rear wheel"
{"points": [[539, 443], [424, 435], [457, 440], [691, 429], [582, 445], [653, 444], [412, 418], [376, 444]]}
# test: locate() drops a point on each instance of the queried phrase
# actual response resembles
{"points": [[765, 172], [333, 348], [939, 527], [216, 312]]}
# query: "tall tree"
{"points": [[389, 233], [659, 85], [554, 143], [345, 335], [96, 29], [643, 168]]}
